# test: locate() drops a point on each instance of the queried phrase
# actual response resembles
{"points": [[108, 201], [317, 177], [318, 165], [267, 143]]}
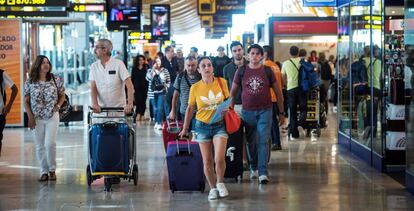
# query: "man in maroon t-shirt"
{"points": [[255, 81]]}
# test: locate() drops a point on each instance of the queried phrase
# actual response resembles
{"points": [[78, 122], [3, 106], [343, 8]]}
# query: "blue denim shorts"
{"points": [[206, 132]]}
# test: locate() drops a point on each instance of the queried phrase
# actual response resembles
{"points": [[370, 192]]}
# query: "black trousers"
{"points": [[2, 124], [296, 98]]}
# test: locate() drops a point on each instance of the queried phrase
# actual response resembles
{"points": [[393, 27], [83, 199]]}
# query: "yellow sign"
{"points": [[21, 2], [206, 7], [140, 35], [10, 61], [206, 21]]}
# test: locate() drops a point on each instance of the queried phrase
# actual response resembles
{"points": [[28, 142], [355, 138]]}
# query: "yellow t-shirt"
{"points": [[206, 97]]}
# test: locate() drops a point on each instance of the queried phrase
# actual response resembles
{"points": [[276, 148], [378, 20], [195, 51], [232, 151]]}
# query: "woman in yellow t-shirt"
{"points": [[205, 95]]}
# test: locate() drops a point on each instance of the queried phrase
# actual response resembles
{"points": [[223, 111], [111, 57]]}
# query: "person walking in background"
{"points": [[182, 85], [220, 61], [159, 82], [180, 60], [205, 96], [295, 97], [267, 61], [44, 94], [313, 58], [170, 63], [5, 107], [138, 74], [325, 73]]}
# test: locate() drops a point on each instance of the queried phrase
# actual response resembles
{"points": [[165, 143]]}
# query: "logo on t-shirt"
{"points": [[211, 101], [255, 84]]}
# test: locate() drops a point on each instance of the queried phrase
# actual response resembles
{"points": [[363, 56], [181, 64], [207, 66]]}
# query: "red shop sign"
{"points": [[305, 27]]}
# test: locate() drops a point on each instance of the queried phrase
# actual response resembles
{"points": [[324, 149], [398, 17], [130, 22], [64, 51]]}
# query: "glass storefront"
{"points": [[409, 82], [369, 59]]}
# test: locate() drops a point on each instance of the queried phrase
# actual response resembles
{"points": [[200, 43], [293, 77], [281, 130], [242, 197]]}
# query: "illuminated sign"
{"points": [[43, 3], [12, 14], [123, 15], [160, 21], [87, 7], [319, 3], [140, 35]]}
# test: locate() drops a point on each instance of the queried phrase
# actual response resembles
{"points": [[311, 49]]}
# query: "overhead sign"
{"points": [[43, 3], [231, 6], [86, 7], [11, 62], [33, 13], [305, 27], [216, 20], [211, 7], [319, 3], [355, 3], [139, 35]]}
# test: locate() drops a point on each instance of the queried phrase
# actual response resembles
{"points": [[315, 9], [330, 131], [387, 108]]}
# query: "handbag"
{"points": [[65, 108], [231, 118]]}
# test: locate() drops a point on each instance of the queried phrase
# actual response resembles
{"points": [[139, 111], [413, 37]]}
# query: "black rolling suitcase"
{"points": [[234, 155]]}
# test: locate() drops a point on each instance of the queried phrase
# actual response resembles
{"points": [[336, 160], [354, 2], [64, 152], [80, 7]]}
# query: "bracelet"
{"points": [[282, 113]]}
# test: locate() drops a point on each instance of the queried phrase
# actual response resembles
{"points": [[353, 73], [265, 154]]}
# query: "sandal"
{"points": [[43, 178], [52, 176]]}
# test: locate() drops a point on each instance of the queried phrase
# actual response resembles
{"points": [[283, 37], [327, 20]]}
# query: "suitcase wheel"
{"points": [[135, 174], [89, 176], [202, 186], [172, 187], [108, 185]]}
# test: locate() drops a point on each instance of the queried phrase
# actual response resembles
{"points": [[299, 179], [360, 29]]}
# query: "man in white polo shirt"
{"points": [[108, 77]]}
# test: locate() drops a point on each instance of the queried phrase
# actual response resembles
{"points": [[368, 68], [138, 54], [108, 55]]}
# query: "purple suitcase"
{"points": [[185, 166]]}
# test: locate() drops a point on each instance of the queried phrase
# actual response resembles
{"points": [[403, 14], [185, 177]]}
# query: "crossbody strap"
{"points": [[221, 87]]}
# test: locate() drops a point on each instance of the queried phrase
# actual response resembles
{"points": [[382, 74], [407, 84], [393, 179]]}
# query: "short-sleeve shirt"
{"points": [[291, 72], [255, 86], [43, 96], [206, 97], [7, 82], [278, 77], [110, 82], [183, 87]]}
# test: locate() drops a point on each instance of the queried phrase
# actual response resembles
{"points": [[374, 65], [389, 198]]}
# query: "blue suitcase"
{"points": [[109, 149], [185, 166]]}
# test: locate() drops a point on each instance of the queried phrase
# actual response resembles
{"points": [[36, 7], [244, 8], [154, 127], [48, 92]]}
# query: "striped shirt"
{"points": [[165, 78], [182, 86]]}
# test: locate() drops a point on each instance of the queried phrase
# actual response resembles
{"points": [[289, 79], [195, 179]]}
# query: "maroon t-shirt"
{"points": [[255, 88]]}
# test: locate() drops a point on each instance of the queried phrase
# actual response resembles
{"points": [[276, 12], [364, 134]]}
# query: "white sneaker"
{"points": [[302, 131], [253, 174], [292, 139], [334, 109], [222, 190], [263, 179], [213, 194], [156, 126]]}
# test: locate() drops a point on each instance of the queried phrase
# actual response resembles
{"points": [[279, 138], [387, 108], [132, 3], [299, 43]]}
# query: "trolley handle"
{"points": [[103, 109], [188, 145]]}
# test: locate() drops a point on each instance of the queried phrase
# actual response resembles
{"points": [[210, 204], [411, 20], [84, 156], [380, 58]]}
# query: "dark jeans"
{"points": [[295, 98], [376, 99], [2, 124], [275, 133]]}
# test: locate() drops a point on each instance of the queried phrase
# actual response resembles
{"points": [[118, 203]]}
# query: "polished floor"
{"points": [[308, 174]]}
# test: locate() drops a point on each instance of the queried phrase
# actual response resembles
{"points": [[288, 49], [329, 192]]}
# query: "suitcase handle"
{"points": [[110, 125], [188, 145]]}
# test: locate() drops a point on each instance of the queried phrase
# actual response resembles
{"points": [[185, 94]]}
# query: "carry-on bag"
{"points": [[109, 148], [170, 130], [185, 166], [234, 156]]}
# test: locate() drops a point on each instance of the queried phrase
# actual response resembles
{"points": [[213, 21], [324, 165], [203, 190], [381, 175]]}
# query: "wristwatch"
{"points": [[282, 113]]}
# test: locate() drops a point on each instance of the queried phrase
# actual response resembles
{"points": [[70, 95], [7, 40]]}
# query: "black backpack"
{"points": [[3, 93], [156, 83], [326, 73]]}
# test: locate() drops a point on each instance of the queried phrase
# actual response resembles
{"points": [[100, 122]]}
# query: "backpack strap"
{"points": [[269, 74]]}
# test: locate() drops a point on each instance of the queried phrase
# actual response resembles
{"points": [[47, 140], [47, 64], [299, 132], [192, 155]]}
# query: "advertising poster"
{"points": [[10, 61]]}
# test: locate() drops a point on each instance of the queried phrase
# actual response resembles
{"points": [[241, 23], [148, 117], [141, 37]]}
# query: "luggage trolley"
{"points": [[111, 147], [316, 114]]}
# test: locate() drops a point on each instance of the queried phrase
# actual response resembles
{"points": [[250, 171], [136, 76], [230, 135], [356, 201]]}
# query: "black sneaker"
{"points": [[276, 147]]}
